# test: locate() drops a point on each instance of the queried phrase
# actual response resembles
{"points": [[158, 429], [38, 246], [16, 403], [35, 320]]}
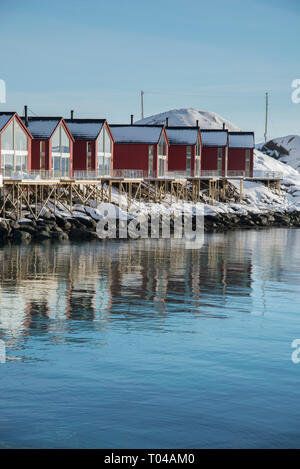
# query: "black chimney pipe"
{"points": [[26, 115], [197, 123], [72, 114], [167, 122], [223, 125], [131, 119]]}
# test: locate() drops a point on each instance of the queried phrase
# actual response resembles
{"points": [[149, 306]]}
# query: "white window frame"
{"points": [[14, 152]]}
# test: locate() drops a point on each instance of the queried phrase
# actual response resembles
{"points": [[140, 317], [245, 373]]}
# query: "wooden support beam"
{"points": [[241, 190]]}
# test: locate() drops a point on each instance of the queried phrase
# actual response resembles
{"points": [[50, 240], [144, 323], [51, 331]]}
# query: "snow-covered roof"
{"points": [[85, 129], [241, 140], [136, 133], [214, 138], [182, 135], [4, 118], [42, 127]]}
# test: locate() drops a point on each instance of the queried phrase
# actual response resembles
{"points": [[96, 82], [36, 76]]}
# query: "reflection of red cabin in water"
{"points": [[52, 145], [240, 153], [214, 151], [141, 147], [184, 150], [15, 144], [93, 146]]}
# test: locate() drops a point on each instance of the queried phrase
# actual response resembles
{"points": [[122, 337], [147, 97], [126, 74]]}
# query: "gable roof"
{"points": [[182, 135], [241, 140], [214, 137], [4, 118], [149, 134], [85, 129], [42, 127]]}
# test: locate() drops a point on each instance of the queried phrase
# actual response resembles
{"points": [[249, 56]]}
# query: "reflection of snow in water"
{"points": [[57, 301], [12, 313], [132, 281], [102, 301]]}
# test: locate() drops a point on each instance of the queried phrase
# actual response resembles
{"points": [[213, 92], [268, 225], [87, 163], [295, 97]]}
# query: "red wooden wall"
{"points": [[209, 158], [237, 159]]}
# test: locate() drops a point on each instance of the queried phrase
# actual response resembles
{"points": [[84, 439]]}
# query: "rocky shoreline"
{"points": [[83, 225]]}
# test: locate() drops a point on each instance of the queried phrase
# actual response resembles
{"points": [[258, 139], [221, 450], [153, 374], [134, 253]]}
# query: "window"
{"points": [[14, 149], [7, 138], [162, 156], [150, 160], [42, 155], [188, 159], [220, 158], [89, 156], [197, 158], [60, 144], [20, 138], [247, 162], [198, 147], [104, 153], [197, 167]]}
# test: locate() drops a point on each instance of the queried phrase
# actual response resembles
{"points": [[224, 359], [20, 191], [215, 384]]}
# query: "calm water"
{"points": [[148, 344]]}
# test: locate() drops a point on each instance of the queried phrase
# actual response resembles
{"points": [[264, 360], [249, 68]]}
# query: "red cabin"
{"points": [[240, 154], [214, 152], [140, 147], [184, 151], [52, 145], [15, 145], [93, 146]]}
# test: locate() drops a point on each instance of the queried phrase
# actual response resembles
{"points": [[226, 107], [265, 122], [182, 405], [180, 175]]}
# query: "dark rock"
{"points": [[76, 233], [4, 229], [20, 236], [15, 225], [59, 236], [28, 228], [64, 224], [42, 235], [89, 223]]}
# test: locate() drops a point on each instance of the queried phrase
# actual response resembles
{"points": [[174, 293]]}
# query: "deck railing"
{"points": [[129, 173], [41, 174], [86, 175], [46, 175], [178, 174], [258, 174], [237, 173], [211, 173]]}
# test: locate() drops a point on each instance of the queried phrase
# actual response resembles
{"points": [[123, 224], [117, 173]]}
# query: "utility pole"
{"points": [[266, 121], [142, 104]]}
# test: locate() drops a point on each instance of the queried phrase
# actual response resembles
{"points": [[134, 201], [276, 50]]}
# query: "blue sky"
{"points": [[96, 56]]}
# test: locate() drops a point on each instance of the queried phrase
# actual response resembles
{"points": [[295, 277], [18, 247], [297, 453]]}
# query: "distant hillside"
{"points": [[177, 117], [285, 149]]}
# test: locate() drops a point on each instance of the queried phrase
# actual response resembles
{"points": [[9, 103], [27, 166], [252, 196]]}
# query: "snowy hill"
{"points": [[285, 149], [178, 117]]}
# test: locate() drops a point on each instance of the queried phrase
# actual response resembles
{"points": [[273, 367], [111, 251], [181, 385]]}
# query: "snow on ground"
{"points": [[291, 177], [257, 197], [285, 149]]}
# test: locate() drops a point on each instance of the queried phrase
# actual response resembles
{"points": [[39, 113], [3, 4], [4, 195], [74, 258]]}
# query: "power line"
{"points": [[32, 112], [204, 95]]}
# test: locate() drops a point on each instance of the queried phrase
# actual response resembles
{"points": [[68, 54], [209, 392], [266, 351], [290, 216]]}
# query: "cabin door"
{"points": [[188, 160], [150, 161], [197, 167], [89, 156], [220, 154], [247, 163], [42, 155]]}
